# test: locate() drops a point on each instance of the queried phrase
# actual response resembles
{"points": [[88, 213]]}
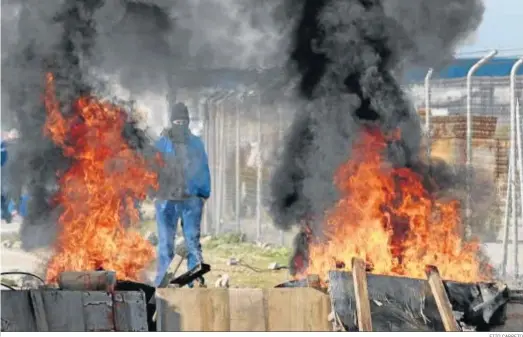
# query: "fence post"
{"points": [[226, 136], [216, 117], [219, 157], [279, 143], [520, 169], [237, 165], [514, 207], [428, 112], [515, 137], [171, 89], [204, 106], [470, 73], [506, 219], [214, 181], [259, 173]]}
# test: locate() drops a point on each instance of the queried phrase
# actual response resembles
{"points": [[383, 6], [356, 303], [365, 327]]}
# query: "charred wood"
{"points": [[405, 304]]}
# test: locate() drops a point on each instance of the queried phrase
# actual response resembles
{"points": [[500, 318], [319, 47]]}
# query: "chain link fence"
{"points": [[491, 123], [243, 132], [242, 136], [495, 148]]}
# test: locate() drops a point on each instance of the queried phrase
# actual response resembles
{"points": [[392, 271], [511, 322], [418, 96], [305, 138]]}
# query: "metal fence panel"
{"points": [[242, 135]]}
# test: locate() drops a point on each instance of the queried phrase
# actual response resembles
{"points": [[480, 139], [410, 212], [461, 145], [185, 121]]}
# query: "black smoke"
{"points": [[69, 56], [347, 55], [37, 159], [132, 49]]}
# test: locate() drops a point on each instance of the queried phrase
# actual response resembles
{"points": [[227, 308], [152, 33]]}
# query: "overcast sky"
{"points": [[502, 28]]}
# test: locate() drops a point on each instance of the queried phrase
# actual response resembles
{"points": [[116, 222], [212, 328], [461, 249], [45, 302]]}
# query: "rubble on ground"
{"points": [[274, 266], [222, 281], [13, 244], [232, 261]]}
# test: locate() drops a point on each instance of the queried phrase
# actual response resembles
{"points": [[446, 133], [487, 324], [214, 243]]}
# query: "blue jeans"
{"points": [[167, 215]]}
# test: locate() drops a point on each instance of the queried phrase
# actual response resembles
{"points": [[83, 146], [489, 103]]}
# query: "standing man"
{"points": [[185, 185]]}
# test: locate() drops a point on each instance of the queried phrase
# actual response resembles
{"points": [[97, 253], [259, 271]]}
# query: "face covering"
{"points": [[179, 133]]}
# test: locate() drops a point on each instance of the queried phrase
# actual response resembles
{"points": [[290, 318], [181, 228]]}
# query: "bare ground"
{"points": [[251, 271]]}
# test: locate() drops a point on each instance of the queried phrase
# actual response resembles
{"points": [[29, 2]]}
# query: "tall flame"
{"points": [[97, 193], [387, 217]]}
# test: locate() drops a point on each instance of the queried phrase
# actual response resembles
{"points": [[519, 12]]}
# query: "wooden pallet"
{"points": [[221, 309], [359, 301], [52, 310]]}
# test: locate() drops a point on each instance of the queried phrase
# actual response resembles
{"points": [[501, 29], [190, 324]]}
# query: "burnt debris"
{"points": [[406, 304]]}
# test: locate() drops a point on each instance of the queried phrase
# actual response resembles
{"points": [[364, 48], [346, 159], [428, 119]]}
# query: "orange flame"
{"points": [[97, 193], [386, 216]]}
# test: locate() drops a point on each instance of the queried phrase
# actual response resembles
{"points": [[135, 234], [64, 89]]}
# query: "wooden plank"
{"points": [[64, 310], [15, 306], [297, 309], [217, 313], [72, 311], [197, 309], [181, 311], [39, 311], [397, 303], [247, 310], [359, 278], [130, 311], [98, 311], [168, 316], [442, 300]]}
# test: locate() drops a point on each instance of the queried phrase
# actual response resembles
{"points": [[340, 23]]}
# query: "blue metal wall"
{"points": [[497, 67]]}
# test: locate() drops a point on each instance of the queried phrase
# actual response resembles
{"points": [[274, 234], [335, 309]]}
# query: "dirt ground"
{"points": [[251, 271]]}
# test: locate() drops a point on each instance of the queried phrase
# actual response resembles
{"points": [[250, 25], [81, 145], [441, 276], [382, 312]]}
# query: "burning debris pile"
{"points": [[97, 194], [387, 217], [351, 166], [352, 175], [84, 161]]}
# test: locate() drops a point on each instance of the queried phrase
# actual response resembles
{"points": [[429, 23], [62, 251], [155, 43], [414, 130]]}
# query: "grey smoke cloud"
{"points": [[143, 48], [347, 55], [140, 46], [435, 29]]}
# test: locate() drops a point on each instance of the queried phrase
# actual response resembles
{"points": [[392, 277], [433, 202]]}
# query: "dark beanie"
{"points": [[179, 112]]}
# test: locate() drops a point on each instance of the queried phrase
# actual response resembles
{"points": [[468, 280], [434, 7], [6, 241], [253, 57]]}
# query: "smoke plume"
{"points": [[347, 55], [139, 48], [343, 51]]}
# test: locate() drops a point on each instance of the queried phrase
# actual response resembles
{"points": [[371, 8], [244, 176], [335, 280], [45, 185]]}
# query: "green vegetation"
{"points": [[9, 282], [252, 269]]}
